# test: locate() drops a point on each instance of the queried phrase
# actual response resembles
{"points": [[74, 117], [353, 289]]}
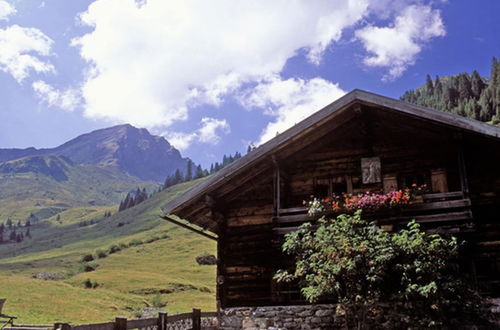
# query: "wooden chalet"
{"points": [[249, 205]]}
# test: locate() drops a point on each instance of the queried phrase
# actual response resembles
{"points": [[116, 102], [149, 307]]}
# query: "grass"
{"points": [[125, 281]]}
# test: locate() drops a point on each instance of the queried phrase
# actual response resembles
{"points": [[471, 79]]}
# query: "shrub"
{"points": [[114, 248], [135, 242], [206, 259], [89, 267], [101, 254], [88, 284], [157, 301], [364, 268], [87, 257]]}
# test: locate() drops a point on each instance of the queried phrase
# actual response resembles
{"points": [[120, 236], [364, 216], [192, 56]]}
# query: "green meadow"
{"points": [[152, 264]]}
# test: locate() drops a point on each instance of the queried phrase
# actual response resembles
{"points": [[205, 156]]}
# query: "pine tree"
{"points": [[477, 84], [429, 85], [438, 87], [178, 178], [189, 171], [198, 172]]}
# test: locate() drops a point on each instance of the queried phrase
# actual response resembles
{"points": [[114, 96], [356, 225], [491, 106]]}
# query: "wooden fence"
{"points": [[196, 320]]}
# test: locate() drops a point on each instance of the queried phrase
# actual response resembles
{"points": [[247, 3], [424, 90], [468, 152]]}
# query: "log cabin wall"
{"points": [[457, 158], [482, 160], [251, 250], [247, 266]]}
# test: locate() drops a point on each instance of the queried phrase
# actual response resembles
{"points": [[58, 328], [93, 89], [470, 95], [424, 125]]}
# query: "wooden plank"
{"points": [[438, 205], [183, 225], [178, 317], [294, 218], [34, 325], [17, 327], [249, 220], [431, 218], [95, 326], [450, 195], [142, 323], [293, 210]]}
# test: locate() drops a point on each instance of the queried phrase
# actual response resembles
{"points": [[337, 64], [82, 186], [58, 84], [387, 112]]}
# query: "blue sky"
{"points": [[213, 77]]}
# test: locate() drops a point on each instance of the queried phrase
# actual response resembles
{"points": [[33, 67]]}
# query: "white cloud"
{"points": [[68, 99], [149, 62], [289, 101], [179, 140], [6, 10], [396, 47], [20, 50], [210, 132]]}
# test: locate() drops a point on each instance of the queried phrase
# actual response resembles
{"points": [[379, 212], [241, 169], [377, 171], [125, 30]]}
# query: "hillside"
{"points": [[153, 260], [126, 148], [467, 95], [46, 185]]}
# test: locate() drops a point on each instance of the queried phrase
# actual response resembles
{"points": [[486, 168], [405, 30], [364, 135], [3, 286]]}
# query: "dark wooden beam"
{"points": [[277, 186], [201, 232]]}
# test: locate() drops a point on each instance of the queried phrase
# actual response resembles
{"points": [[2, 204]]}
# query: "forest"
{"points": [[468, 95]]}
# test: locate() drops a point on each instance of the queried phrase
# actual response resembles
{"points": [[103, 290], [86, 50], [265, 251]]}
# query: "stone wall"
{"points": [[281, 318]]}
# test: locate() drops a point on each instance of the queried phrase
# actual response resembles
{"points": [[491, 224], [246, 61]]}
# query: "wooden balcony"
{"points": [[440, 213]]}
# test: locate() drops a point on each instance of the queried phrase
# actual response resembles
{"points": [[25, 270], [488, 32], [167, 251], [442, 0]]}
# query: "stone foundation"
{"points": [[281, 318]]}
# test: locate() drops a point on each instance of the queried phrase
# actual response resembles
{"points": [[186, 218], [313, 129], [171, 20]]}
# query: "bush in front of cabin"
{"points": [[407, 279]]}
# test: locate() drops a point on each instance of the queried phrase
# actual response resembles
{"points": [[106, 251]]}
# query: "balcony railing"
{"points": [[441, 212]]}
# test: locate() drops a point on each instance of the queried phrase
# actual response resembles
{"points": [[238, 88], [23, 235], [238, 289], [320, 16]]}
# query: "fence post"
{"points": [[196, 319], [61, 326], [162, 321], [120, 323]]}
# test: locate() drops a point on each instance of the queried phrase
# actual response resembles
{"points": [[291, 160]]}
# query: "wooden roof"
{"points": [[182, 206]]}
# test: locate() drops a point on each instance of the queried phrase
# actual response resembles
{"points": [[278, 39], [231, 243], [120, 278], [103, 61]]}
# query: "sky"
{"points": [[213, 77]]}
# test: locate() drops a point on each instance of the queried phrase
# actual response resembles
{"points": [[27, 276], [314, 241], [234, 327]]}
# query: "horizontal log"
{"points": [[244, 269], [438, 205], [249, 220], [294, 218], [142, 323], [293, 210], [96, 326], [16, 327], [450, 195], [34, 325], [285, 230], [431, 218], [178, 317]]}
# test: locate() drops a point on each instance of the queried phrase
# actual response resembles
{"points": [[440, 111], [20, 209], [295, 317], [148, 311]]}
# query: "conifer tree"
{"points": [[198, 172], [178, 178], [189, 171]]}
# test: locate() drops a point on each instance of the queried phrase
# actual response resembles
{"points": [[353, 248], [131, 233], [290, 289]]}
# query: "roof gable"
{"points": [[268, 149]]}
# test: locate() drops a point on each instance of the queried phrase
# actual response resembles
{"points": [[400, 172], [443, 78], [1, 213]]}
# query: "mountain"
{"points": [[49, 179], [124, 147]]}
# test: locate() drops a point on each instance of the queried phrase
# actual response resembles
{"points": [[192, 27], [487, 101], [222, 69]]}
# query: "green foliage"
{"points": [[469, 96], [101, 254], [89, 267], [114, 248], [364, 268], [88, 284], [157, 301], [87, 257]]}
